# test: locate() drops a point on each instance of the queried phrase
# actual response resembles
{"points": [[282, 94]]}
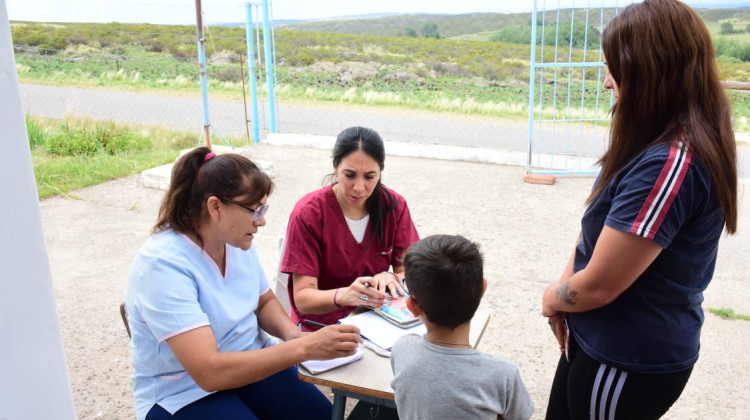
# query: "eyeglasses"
{"points": [[403, 285], [257, 213]]}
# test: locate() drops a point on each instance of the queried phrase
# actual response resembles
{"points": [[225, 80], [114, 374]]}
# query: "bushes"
{"points": [[226, 74], [86, 142], [578, 35], [732, 48], [68, 143], [301, 60]]}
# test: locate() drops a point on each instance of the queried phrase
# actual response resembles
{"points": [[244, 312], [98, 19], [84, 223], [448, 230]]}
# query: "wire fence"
{"points": [[433, 80], [454, 80]]}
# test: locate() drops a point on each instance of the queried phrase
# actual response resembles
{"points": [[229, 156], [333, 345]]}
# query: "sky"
{"points": [[222, 11]]}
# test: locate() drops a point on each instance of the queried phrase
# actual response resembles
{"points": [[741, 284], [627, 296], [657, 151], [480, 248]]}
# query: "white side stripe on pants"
{"points": [[600, 394]]}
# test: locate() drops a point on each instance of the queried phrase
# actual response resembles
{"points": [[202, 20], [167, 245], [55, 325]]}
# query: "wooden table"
{"points": [[369, 379]]}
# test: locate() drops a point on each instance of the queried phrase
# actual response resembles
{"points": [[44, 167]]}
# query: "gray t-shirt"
{"points": [[434, 382]]}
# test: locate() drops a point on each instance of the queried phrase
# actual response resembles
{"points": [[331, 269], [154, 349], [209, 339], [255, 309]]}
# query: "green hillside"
{"points": [[450, 25], [473, 63], [481, 26]]}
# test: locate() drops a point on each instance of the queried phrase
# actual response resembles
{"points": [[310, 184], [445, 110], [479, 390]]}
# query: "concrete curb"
{"points": [[158, 178], [397, 148]]}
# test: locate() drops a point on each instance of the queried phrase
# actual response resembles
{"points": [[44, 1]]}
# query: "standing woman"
{"points": [[197, 300], [345, 242], [631, 293]]}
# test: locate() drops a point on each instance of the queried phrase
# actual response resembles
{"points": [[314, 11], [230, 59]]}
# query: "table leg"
{"points": [[339, 404]]}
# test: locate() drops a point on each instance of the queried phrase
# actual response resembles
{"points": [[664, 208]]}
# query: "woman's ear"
{"points": [[484, 286], [212, 207], [413, 306]]}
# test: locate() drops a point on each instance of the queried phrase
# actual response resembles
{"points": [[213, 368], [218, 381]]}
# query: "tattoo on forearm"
{"points": [[564, 294]]}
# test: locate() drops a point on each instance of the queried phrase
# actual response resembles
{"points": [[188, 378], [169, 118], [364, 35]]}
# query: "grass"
{"points": [[58, 174], [728, 313]]}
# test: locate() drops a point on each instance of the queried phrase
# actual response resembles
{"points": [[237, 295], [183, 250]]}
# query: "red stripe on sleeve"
{"points": [[656, 200]]}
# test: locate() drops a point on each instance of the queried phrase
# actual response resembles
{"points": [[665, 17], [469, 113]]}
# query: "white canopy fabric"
{"points": [[33, 374]]}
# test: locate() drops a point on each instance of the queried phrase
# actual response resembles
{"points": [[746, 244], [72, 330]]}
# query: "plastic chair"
{"points": [[124, 315], [281, 289]]}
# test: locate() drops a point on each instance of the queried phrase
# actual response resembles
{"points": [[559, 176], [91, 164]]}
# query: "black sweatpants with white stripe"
{"points": [[584, 389]]}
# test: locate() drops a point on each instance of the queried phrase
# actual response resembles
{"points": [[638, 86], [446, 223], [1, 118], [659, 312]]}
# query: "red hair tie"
{"points": [[209, 156]]}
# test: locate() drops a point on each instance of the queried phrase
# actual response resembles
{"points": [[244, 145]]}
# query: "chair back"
{"points": [[124, 315], [281, 288]]}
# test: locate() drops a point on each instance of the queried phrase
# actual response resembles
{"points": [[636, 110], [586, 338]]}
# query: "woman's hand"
{"points": [[389, 283], [555, 319], [370, 291], [557, 324], [363, 291], [331, 342]]}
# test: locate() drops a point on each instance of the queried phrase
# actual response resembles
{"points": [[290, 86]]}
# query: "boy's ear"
{"points": [[484, 286], [413, 306]]}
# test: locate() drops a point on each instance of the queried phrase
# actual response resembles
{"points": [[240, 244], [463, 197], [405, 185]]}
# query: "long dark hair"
{"points": [[195, 178], [660, 54], [381, 201]]}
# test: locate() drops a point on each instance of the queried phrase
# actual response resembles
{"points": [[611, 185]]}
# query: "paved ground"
{"points": [[525, 231]]}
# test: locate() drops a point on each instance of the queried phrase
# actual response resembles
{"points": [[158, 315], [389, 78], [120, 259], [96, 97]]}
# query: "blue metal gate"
{"points": [[568, 105]]}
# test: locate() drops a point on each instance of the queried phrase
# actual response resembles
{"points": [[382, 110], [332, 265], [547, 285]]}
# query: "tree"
{"points": [[747, 28], [412, 33], [726, 28], [430, 30]]}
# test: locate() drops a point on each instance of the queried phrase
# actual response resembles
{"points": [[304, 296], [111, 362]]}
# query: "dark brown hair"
{"points": [[367, 140], [194, 180], [445, 276], [660, 54]]}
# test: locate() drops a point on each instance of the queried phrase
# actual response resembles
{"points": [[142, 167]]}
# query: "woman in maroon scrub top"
{"points": [[345, 242]]}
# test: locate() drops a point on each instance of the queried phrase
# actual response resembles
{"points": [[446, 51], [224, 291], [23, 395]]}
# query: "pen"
{"points": [[377, 349], [316, 323], [387, 299]]}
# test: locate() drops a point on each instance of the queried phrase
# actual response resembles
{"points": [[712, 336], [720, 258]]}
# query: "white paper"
{"points": [[380, 331], [317, 366]]}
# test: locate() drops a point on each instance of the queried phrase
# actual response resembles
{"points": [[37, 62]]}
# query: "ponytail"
{"points": [[200, 174]]}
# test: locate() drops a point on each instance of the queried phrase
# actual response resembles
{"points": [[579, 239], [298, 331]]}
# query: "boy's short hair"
{"points": [[444, 275]]}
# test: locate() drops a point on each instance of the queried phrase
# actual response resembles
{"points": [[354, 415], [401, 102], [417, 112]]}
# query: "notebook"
{"points": [[318, 366], [383, 333]]}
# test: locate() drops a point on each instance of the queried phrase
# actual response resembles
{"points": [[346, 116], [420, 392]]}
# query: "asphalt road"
{"points": [[227, 118]]}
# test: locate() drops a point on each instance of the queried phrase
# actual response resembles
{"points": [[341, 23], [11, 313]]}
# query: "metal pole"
{"points": [[202, 69], [244, 97], [270, 76], [251, 69], [532, 69]]}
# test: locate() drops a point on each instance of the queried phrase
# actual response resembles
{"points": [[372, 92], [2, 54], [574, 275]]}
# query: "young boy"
{"points": [[439, 375]]}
